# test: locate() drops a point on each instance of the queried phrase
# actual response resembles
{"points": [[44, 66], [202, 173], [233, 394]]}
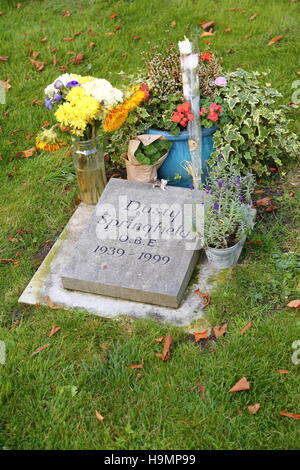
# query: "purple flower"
{"points": [[216, 206], [238, 182], [241, 198], [221, 81], [220, 183], [72, 84], [220, 156], [48, 103], [207, 188], [57, 97], [58, 84]]}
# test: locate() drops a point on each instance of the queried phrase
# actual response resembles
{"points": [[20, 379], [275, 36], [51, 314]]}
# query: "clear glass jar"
{"points": [[88, 159]]}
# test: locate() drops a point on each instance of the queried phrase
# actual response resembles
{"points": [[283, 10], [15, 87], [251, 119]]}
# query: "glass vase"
{"points": [[88, 159]]}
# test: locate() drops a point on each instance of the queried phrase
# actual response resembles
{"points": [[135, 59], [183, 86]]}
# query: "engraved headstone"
{"points": [[141, 244]]}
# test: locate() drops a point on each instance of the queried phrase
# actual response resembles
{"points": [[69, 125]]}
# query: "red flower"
{"points": [[213, 116], [202, 111], [190, 116], [214, 107], [206, 56], [273, 169], [144, 87], [177, 117]]}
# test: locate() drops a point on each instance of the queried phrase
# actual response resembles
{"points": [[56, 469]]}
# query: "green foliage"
{"points": [[150, 154], [254, 130]]}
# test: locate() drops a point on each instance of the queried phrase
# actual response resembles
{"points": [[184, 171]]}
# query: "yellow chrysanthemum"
{"points": [[49, 140], [115, 118], [135, 100]]}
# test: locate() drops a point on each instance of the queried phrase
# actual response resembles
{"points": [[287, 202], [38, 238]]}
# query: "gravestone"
{"points": [[141, 243]]}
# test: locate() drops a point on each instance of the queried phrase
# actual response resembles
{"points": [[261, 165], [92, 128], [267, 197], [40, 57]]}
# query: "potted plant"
{"points": [[229, 216]]}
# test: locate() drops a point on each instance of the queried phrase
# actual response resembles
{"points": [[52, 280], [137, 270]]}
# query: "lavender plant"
{"points": [[228, 210]]}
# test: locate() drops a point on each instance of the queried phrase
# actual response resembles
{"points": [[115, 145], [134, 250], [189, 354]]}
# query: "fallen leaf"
{"points": [[233, 9], [242, 384], [255, 242], [99, 416], [271, 208], [44, 39], [34, 54], [38, 350], [137, 366], [230, 51], [201, 389], [39, 65], [173, 24], [113, 16], [54, 60], [294, 304], [66, 13], [220, 330], [13, 240], [139, 376], [27, 153], [16, 131], [92, 44], [78, 59], [254, 408], [291, 194], [7, 260], [263, 202], [208, 24], [46, 124], [18, 5], [63, 68], [77, 34], [227, 30], [37, 102], [54, 330], [3, 58], [16, 264], [251, 18], [123, 56], [289, 415], [259, 191], [206, 34], [205, 297], [247, 36], [50, 304], [136, 37], [274, 40], [246, 327], [109, 34], [68, 39], [166, 350], [117, 28], [15, 324], [159, 340], [200, 335], [103, 347], [91, 32], [283, 371], [298, 73]]}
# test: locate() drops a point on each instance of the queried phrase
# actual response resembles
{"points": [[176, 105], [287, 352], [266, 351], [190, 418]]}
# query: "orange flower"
{"points": [[115, 118]]}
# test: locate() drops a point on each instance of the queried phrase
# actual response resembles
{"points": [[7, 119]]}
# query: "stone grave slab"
{"points": [[141, 244]]}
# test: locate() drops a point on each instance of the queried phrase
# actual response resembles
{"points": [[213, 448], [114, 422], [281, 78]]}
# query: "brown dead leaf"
{"points": [[18, 5], [241, 385], [207, 24], [7, 86], [68, 39], [259, 191], [274, 40], [263, 202], [7, 260], [123, 56], [220, 330], [139, 376], [99, 416], [289, 415], [113, 16], [254, 408], [35, 54], [166, 350], [92, 44], [78, 59], [283, 371], [271, 208], [233, 9], [137, 366], [136, 37], [27, 153], [39, 65], [44, 40], [77, 34], [66, 13], [50, 304], [109, 34], [251, 18], [103, 347], [246, 327], [3, 58], [36, 102], [38, 350], [54, 60], [159, 340], [206, 34], [28, 136], [15, 131], [117, 28], [63, 68], [227, 30], [91, 32], [205, 297], [200, 335], [173, 24], [54, 330], [13, 240], [294, 304]]}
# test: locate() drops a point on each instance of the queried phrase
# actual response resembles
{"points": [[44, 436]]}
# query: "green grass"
{"points": [[38, 408]]}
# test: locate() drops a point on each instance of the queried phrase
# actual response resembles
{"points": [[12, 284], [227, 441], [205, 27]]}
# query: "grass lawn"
{"points": [[48, 401]]}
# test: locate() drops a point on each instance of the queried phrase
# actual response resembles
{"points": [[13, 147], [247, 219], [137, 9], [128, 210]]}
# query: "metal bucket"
{"points": [[222, 258]]}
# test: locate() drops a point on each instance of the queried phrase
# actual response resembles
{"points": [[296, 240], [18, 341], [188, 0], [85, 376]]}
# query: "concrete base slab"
{"points": [[47, 282]]}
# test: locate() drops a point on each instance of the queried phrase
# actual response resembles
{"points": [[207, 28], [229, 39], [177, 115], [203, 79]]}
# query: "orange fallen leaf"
{"points": [[206, 34], [294, 304], [117, 28], [251, 18], [7, 260], [137, 366], [91, 32], [44, 39], [220, 330], [46, 124], [246, 327], [271, 208], [37, 102], [54, 60], [54, 330], [63, 68], [3, 58], [173, 24], [66, 13], [78, 59], [166, 350], [109, 34], [159, 340], [289, 415], [259, 191], [27, 153], [227, 30], [200, 335], [263, 202], [241, 385], [13, 240], [201, 389], [283, 371], [68, 39], [233, 9], [38, 350], [77, 34], [50, 304], [99, 416], [39, 65], [205, 297], [113, 16], [254, 408], [136, 37], [274, 40]]}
